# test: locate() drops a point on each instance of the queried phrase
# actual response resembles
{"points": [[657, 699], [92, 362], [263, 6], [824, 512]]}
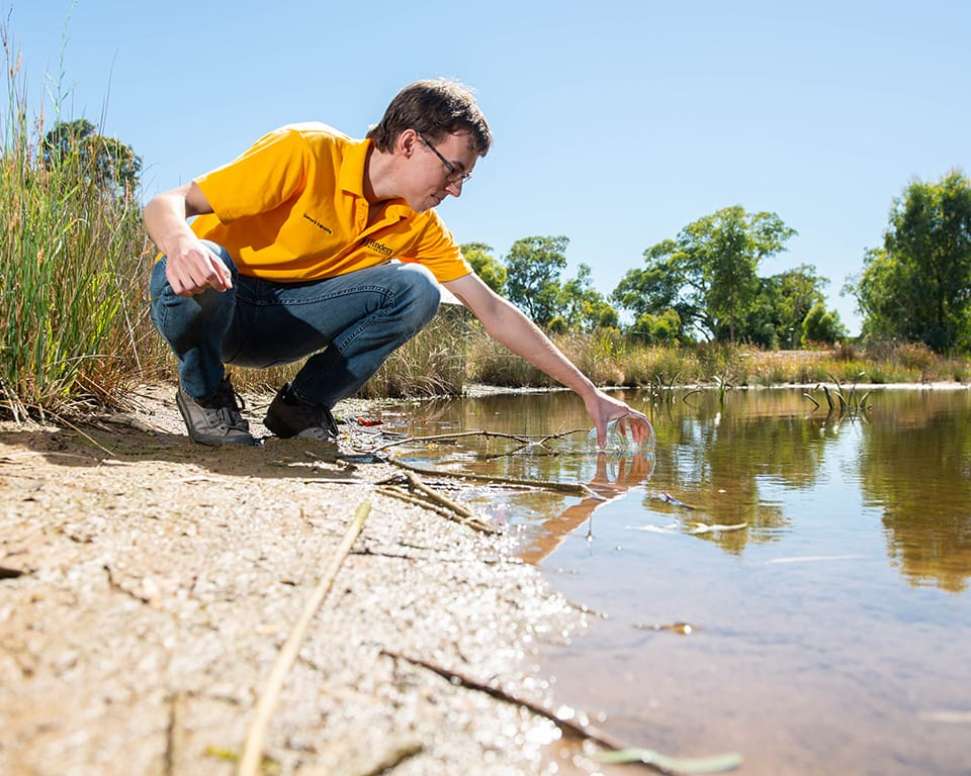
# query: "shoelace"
{"points": [[230, 406]]}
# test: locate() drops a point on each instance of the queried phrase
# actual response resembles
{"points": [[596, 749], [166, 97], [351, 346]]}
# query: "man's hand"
{"points": [[603, 409], [506, 324], [191, 268]]}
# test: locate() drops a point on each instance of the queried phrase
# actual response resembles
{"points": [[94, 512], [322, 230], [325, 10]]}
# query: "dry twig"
{"points": [[442, 506], [91, 439], [253, 746]]}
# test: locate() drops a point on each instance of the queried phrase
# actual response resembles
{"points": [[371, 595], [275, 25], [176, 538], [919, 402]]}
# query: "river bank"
{"points": [[148, 587]]}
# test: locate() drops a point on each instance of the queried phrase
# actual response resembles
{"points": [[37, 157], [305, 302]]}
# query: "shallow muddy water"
{"points": [[829, 616]]}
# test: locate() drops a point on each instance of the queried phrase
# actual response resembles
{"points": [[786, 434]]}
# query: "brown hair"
{"points": [[434, 108]]}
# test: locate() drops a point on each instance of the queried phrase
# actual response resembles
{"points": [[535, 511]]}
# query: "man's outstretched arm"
{"points": [[506, 324], [191, 267]]}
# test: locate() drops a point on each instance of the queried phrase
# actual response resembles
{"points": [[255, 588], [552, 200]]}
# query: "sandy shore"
{"points": [[158, 581]]}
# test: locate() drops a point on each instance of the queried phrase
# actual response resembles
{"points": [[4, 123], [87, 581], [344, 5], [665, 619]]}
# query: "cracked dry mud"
{"points": [[158, 582]]}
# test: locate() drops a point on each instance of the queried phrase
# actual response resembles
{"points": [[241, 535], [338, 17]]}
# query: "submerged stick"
{"points": [[570, 728], [621, 752], [474, 523], [690, 393], [415, 482], [573, 488], [467, 517], [667, 498], [560, 434], [829, 398], [253, 746], [523, 439], [458, 435]]}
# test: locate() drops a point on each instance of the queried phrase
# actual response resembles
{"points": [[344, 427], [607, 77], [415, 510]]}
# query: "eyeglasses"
{"points": [[455, 175]]}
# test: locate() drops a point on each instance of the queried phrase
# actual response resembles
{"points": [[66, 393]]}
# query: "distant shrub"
{"points": [[915, 356]]}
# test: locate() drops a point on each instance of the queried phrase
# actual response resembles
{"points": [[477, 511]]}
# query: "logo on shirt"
{"points": [[317, 223], [381, 248]]}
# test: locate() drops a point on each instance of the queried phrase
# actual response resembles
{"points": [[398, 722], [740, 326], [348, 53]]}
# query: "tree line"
{"points": [[704, 282]]}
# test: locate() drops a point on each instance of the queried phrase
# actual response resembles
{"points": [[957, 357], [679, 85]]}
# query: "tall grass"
{"points": [[69, 269]]}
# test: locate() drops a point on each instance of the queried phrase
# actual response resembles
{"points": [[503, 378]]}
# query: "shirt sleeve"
{"points": [[269, 173], [436, 249]]}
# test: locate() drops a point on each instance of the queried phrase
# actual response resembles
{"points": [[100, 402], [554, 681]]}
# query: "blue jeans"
{"points": [[352, 323]]}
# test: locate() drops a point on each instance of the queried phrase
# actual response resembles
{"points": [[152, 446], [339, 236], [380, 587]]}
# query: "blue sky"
{"points": [[616, 123]]}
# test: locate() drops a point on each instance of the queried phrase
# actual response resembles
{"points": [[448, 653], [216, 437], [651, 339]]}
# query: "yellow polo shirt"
{"points": [[292, 208]]}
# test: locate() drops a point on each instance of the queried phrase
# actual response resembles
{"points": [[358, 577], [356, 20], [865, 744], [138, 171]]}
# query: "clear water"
{"points": [[831, 634]]}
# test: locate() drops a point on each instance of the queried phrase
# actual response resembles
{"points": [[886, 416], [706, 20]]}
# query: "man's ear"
{"points": [[406, 143]]}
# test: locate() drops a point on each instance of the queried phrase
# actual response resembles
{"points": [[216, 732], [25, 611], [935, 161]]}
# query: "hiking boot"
{"points": [[216, 419], [290, 416]]}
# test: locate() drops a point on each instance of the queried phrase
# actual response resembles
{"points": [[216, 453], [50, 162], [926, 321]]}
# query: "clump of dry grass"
{"points": [[647, 365], [610, 358], [431, 364]]}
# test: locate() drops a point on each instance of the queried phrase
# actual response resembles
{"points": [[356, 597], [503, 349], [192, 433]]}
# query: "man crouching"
{"points": [[290, 257]]}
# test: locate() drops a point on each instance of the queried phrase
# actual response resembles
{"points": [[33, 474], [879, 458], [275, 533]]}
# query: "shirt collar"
{"points": [[351, 177]]}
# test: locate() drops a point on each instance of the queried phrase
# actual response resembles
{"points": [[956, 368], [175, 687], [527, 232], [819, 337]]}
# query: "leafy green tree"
{"points": [[583, 306], [485, 265], [822, 325], [917, 287], [781, 305], [602, 315], [106, 162], [797, 291], [533, 267], [707, 274], [654, 289], [661, 329]]}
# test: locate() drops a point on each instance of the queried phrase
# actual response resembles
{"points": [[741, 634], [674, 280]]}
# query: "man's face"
{"points": [[426, 180]]}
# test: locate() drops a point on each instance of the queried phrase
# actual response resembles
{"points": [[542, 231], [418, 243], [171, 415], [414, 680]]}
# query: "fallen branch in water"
{"points": [[575, 489], [541, 442], [458, 514], [459, 435], [415, 482], [570, 728], [253, 746], [667, 498], [523, 439], [649, 759]]}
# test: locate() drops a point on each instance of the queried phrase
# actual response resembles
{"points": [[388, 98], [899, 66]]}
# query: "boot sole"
{"points": [[328, 448]]}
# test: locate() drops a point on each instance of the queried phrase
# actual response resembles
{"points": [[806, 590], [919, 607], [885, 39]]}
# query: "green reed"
{"points": [[70, 267]]}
